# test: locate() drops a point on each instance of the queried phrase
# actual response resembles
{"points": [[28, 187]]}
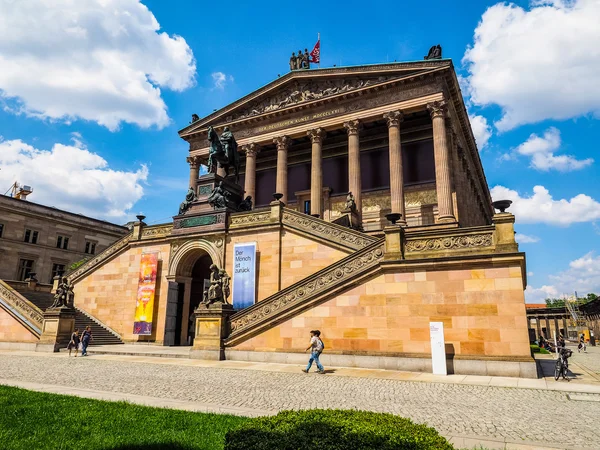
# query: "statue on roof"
{"points": [[195, 118], [189, 198], [435, 52], [293, 61], [306, 59]]}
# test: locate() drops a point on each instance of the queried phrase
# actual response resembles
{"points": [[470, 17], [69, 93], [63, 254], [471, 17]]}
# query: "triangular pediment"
{"points": [[302, 87]]}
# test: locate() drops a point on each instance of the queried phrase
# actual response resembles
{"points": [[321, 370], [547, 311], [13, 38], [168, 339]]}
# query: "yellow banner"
{"points": [[144, 306]]}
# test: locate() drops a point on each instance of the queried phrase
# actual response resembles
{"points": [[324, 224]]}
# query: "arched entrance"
{"points": [[188, 269]]}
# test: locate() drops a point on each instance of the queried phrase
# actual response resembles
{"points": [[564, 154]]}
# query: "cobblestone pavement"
{"points": [[590, 360], [485, 411]]}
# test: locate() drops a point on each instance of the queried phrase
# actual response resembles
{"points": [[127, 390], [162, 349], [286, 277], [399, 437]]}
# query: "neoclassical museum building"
{"points": [[370, 218]]}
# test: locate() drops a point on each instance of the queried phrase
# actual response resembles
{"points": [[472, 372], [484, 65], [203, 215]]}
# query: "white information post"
{"points": [[438, 348], [244, 275]]}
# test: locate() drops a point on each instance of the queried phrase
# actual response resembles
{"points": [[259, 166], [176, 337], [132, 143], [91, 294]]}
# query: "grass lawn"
{"points": [[34, 420]]}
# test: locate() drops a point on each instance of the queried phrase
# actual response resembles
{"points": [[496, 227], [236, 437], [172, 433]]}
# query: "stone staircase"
{"points": [[40, 301], [101, 333], [307, 293]]}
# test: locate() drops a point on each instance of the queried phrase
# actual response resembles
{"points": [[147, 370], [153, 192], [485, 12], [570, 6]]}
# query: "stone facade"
{"points": [[13, 332], [109, 293], [18, 216]]}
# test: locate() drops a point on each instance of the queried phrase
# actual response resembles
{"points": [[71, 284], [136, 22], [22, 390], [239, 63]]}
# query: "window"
{"points": [[25, 268], [62, 242], [57, 269], [31, 236], [90, 248], [1, 229]]}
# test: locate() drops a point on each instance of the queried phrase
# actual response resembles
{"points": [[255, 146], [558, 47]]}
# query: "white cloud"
{"points": [[98, 60], [481, 130], [541, 150], [582, 276], [526, 239], [537, 64], [220, 79], [71, 177], [529, 274], [542, 208]]}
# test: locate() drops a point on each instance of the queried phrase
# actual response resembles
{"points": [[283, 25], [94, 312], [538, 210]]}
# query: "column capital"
{"points": [[317, 135], [437, 109], [393, 118], [282, 142], [193, 161], [353, 127], [251, 149]]}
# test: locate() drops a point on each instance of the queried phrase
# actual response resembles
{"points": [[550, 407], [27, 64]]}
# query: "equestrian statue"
{"points": [[223, 152]]}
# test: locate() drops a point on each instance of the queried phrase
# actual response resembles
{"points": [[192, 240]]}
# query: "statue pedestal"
{"points": [[201, 216], [212, 327], [349, 218], [58, 325]]}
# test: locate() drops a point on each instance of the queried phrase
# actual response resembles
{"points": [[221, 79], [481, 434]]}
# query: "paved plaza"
{"points": [[479, 407]]}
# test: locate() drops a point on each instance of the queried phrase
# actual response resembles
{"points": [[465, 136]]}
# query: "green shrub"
{"points": [[543, 351], [333, 430], [535, 348]]}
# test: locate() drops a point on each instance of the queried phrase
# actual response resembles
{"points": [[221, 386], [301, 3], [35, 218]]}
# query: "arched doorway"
{"points": [[186, 287]]}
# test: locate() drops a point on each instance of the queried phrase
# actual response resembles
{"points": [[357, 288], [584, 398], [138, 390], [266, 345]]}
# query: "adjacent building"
{"points": [[46, 241]]}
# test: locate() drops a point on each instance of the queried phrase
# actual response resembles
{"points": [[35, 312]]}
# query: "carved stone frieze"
{"points": [[305, 91], [101, 257], [344, 236], [261, 217], [418, 198], [198, 221], [338, 274], [157, 231], [449, 243], [22, 305]]}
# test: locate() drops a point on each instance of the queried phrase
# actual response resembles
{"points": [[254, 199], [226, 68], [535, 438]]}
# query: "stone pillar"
{"points": [[394, 242], [442, 162], [316, 175], [504, 229], [565, 328], [281, 186], [58, 325], [212, 327], [354, 175], [251, 150], [194, 163], [394, 119], [556, 327], [538, 326]]}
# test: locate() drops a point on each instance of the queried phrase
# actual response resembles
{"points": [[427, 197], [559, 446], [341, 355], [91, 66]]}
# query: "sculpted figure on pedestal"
{"points": [[219, 289], [246, 204], [189, 198], [218, 197], [350, 202], [435, 52], [64, 295], [293, 61], [223, 152]]}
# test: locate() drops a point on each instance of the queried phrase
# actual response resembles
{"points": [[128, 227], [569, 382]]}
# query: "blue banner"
{"points": [[244, 275]]}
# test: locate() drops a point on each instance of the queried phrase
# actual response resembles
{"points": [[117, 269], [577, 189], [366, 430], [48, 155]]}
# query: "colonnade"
{"points": [[394, 118]]}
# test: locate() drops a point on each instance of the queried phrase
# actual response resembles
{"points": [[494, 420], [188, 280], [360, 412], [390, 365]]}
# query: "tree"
{"points": [[555, 303]]}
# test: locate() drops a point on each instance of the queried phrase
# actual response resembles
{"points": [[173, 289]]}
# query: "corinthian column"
{"points": [[394, 118], [194, 163], [251, 151], [442, 163], [316, 175], [281, 186], [354, 181]]}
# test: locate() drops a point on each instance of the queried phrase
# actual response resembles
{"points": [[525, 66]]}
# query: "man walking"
{"points": [[316, 348]]}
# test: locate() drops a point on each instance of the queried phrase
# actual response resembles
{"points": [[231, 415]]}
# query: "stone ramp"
{"points": [[306, 293]]}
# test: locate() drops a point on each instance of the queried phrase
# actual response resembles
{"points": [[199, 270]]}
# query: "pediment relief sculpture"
{"points": [[302, 92]]}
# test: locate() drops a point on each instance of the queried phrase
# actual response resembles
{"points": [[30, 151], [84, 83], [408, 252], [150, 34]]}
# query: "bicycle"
{"points": [[561, 368]]}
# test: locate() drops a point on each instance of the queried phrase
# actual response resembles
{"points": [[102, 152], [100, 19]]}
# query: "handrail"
{"points": [[100, 257], [21, 309], [346, 237], [284, 303]]}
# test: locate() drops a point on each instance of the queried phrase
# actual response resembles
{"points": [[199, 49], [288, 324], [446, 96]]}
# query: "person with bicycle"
{"points": [[561, 367]]}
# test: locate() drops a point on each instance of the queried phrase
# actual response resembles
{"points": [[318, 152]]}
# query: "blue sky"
{"points": [[93, 93]]}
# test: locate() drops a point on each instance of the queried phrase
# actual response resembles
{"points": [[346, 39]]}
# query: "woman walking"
{"points": [[316, 348], [74, 342], [85, 340]]}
